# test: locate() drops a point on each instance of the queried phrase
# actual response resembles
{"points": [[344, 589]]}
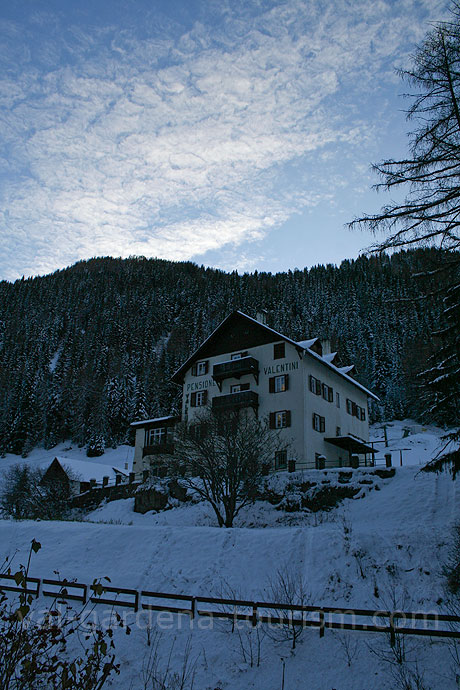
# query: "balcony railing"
{"points": [[158, 449], [235, 401], [235, 368]]}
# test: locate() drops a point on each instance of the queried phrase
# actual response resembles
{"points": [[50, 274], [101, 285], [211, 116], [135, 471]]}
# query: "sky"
{"points": [[236, 134]]}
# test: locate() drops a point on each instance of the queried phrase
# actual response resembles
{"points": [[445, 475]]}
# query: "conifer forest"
{"points": [[89, 349]]}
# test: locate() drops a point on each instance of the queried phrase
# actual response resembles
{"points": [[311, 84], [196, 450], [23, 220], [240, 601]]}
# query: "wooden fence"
{"points": [[255, 612]]}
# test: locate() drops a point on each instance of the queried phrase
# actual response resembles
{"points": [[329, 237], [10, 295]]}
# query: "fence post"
{"points": [[254, 615], [132, 477], [136, 601], [193, 608], [105, 481], [321, 623], [117, 479]]}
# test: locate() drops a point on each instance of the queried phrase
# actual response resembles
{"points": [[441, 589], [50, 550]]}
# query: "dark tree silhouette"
{"points": [[430, 212]]}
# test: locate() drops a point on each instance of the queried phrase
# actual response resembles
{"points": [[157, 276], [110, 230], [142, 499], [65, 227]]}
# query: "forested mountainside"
{"points": [[88, 349]]}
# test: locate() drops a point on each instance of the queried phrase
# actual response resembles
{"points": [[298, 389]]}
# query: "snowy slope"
{"points": [[383, 549]]}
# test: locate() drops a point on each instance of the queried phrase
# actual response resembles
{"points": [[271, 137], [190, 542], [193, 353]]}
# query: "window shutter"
{"points": [[286, 381], [322, 424], [318, 387], [313, 420], [331, 394], [272, 420], [193, 400], [271, 384], [194, 370], [206, 366], [288, 417]]}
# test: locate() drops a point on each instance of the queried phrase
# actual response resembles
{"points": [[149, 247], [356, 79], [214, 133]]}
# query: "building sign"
{"points": [[200, 385], [281, 368]]}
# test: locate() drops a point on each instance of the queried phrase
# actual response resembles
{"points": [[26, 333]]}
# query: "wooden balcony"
{"points": [[158, 449], [235, 368], [235, 401]]}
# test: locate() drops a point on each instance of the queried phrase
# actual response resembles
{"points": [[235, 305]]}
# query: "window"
{"points": [[279, 350], [315, 385], [356, 410], [238, 387], [239, 355], [280, 459], [278, 384], [337, 399], [328, 393], [157, 436], [199, 398], [319, 423], [200, 368], [280, 419], [338, 431]]}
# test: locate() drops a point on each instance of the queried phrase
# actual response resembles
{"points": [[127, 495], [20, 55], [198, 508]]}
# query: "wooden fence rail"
{"points": [[320, 617]]}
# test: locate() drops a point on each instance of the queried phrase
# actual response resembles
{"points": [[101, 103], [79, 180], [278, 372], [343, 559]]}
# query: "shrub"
{"points": [[34, 653]]}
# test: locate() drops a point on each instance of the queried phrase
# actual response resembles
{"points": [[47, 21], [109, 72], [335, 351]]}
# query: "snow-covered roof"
{"points": [[86, 470], [330, 357], [307, 343], [347, 369], [155, 419]]}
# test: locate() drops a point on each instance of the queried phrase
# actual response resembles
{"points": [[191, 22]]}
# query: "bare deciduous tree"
{"points": [[224, 457]]}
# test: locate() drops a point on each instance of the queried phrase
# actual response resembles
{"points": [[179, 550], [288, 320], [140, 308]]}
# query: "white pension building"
{"points": [[320, 408]]}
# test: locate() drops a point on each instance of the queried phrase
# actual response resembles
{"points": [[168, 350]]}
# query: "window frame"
{"points": [[239, 387], [281, 464], [157, 436], [319, 423], [238, 355], [199, 398], [198, 366], [284, 387], [315, 385]]}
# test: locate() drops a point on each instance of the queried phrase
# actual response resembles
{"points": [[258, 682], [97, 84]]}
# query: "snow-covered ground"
{"points": [[383, 549]]}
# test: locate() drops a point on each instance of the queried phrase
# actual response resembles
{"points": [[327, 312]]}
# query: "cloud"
{"points": [[174, 145]]}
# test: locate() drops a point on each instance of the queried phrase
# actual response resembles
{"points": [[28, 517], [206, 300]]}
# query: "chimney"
{"points": [[261, 316], [326, 346]]}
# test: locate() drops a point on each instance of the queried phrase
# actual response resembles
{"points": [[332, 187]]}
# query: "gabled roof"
{"points": [[267, 333], [84, 470], [270, 335]]}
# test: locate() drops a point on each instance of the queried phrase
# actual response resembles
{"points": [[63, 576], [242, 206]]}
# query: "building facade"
{"points": [[318, 407]]}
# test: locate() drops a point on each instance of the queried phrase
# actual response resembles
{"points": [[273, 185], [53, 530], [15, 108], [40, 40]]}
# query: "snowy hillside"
{"points": [[385, 548]]}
